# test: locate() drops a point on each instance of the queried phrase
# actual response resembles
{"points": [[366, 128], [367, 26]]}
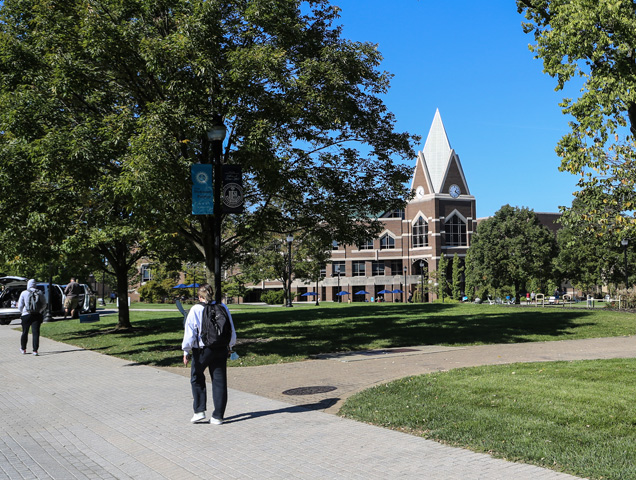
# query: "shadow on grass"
{"points": [[305, 331]]}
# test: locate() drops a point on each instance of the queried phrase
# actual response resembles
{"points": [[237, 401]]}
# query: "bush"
{"points": [[273, 297], [157, 292]]}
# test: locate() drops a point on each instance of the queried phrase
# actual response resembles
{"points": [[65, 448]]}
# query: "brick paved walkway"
{"points": [[71, 413]]}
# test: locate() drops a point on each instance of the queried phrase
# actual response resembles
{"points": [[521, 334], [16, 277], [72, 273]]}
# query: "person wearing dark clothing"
{"points": [[31, 318]]}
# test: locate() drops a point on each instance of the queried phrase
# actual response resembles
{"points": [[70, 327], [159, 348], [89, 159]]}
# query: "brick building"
{"points": [[439, 219]]}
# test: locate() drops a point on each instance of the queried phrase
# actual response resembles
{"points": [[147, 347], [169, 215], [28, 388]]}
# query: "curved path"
{"points": [[72, 413]]}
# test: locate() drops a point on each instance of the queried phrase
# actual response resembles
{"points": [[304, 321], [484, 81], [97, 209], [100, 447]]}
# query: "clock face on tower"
{"points": [[454, 191], [419, 192]]}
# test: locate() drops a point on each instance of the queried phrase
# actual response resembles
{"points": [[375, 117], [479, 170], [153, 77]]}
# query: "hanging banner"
{"points": [[232, 189], [202, 191]]}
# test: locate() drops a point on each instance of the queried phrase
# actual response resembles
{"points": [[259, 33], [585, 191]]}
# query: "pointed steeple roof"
{"points": [[437, 152]]}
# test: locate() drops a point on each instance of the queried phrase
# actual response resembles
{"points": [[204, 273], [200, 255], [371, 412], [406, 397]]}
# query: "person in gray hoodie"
{"points": [[31, 317]]}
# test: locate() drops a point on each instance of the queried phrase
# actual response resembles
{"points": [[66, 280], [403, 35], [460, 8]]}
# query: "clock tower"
{"points": [[441, 215]]}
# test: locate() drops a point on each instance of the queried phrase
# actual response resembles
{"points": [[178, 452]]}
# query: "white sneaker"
{"points": [[23, 352], [216, 421], [197, 417], [35, 353]]}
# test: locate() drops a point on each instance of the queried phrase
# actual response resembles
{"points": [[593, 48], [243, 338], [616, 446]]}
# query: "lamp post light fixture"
{"points": [[216, 135], [624, 243], [290, 239], [422, 280]]}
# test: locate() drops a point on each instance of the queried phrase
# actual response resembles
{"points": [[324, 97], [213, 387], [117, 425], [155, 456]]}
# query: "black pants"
{"points": [[216, 360], [31, 320]]}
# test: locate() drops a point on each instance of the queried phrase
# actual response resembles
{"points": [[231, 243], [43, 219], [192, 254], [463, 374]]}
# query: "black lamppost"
{"points": [[104, 279], [422, 280], [338, 273], [624, 243], [290, 239], [48, 315], [405, 289], [216, 135]]}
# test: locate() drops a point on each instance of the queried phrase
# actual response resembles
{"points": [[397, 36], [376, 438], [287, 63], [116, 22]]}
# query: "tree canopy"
{"points": [[592, 43], [105, 105], [510, 249]]}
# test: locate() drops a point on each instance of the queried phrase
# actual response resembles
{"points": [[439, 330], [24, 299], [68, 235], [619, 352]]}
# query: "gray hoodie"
{"points": [[24, 298]]}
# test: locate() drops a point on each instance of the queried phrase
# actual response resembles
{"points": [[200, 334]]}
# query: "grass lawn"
{"points": [[576, 417], [275, 334]]}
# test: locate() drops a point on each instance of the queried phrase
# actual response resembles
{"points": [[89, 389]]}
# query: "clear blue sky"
{"points": [[471, 60]]}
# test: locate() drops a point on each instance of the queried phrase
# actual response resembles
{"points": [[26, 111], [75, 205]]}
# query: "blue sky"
{"points": [[471, 60]]}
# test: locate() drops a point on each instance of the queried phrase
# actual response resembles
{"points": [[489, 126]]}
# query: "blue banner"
{"points": [[202, 190]]}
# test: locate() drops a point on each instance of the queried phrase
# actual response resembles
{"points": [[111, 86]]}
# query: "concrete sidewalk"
{"points": [[71, 413]]}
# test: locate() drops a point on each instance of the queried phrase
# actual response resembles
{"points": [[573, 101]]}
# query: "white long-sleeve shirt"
{"points": [[191, 336]]}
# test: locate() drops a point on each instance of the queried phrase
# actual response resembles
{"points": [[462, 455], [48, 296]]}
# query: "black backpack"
{"points": [[216, 329]]}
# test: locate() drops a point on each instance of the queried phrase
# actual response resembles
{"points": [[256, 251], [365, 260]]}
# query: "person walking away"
{"points": [[32, 305], [205, 354], [72, 292]]}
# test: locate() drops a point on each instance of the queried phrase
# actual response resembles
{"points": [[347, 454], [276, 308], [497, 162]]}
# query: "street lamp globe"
{"points": [[217, 132]]}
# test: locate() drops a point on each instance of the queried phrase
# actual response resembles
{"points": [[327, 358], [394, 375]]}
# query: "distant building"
{"points": [[440, 219]]}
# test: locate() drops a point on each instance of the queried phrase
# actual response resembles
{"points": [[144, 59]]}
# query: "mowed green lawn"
{"points": [[275, 334], [576, 417]]}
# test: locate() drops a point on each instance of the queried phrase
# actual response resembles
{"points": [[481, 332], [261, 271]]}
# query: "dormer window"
{"points": [[387, 242]]}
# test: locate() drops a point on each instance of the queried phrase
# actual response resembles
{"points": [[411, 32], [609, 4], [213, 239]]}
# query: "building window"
{"points": [[420, 233], [323, 270], [387, 242], [377, 268], [368, 245], [396, 267], [455, 232], [399, 213], [334, 245], [358, 269], [146, 275], [337, 266]]}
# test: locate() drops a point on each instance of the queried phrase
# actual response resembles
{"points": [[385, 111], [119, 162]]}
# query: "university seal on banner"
{"points": [[232, 189]]}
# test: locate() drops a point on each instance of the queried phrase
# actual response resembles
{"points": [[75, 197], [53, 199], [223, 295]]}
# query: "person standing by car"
{"points": [[32, 305], [72, 292]]}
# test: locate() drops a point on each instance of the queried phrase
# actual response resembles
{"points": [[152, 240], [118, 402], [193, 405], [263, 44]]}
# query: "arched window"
{"points": [[420, 233], [455, 232], [387, 242]]}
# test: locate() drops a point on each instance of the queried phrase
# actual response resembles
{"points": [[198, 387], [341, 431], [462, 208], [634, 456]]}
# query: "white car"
{"points": [[12, 287]]}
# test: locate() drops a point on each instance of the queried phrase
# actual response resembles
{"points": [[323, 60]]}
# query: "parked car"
{"points": [[87, 300], [12, 287]]}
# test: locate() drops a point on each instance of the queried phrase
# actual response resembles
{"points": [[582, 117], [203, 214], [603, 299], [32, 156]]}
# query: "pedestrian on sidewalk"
{"points": [[212, 357], [32, 305]]}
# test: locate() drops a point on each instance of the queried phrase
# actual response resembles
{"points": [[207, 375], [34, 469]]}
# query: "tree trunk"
{"points": [[122, 294]]}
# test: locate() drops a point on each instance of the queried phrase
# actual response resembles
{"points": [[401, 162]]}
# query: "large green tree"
{"points": [[106, 104], [510, 249], [592, 44], [590, 257]]}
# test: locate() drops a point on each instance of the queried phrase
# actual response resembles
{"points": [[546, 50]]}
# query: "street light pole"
{"points": [[338, 273], [216, 135], [624, 243], [290, 239], [422, 281], [404, 289]]}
